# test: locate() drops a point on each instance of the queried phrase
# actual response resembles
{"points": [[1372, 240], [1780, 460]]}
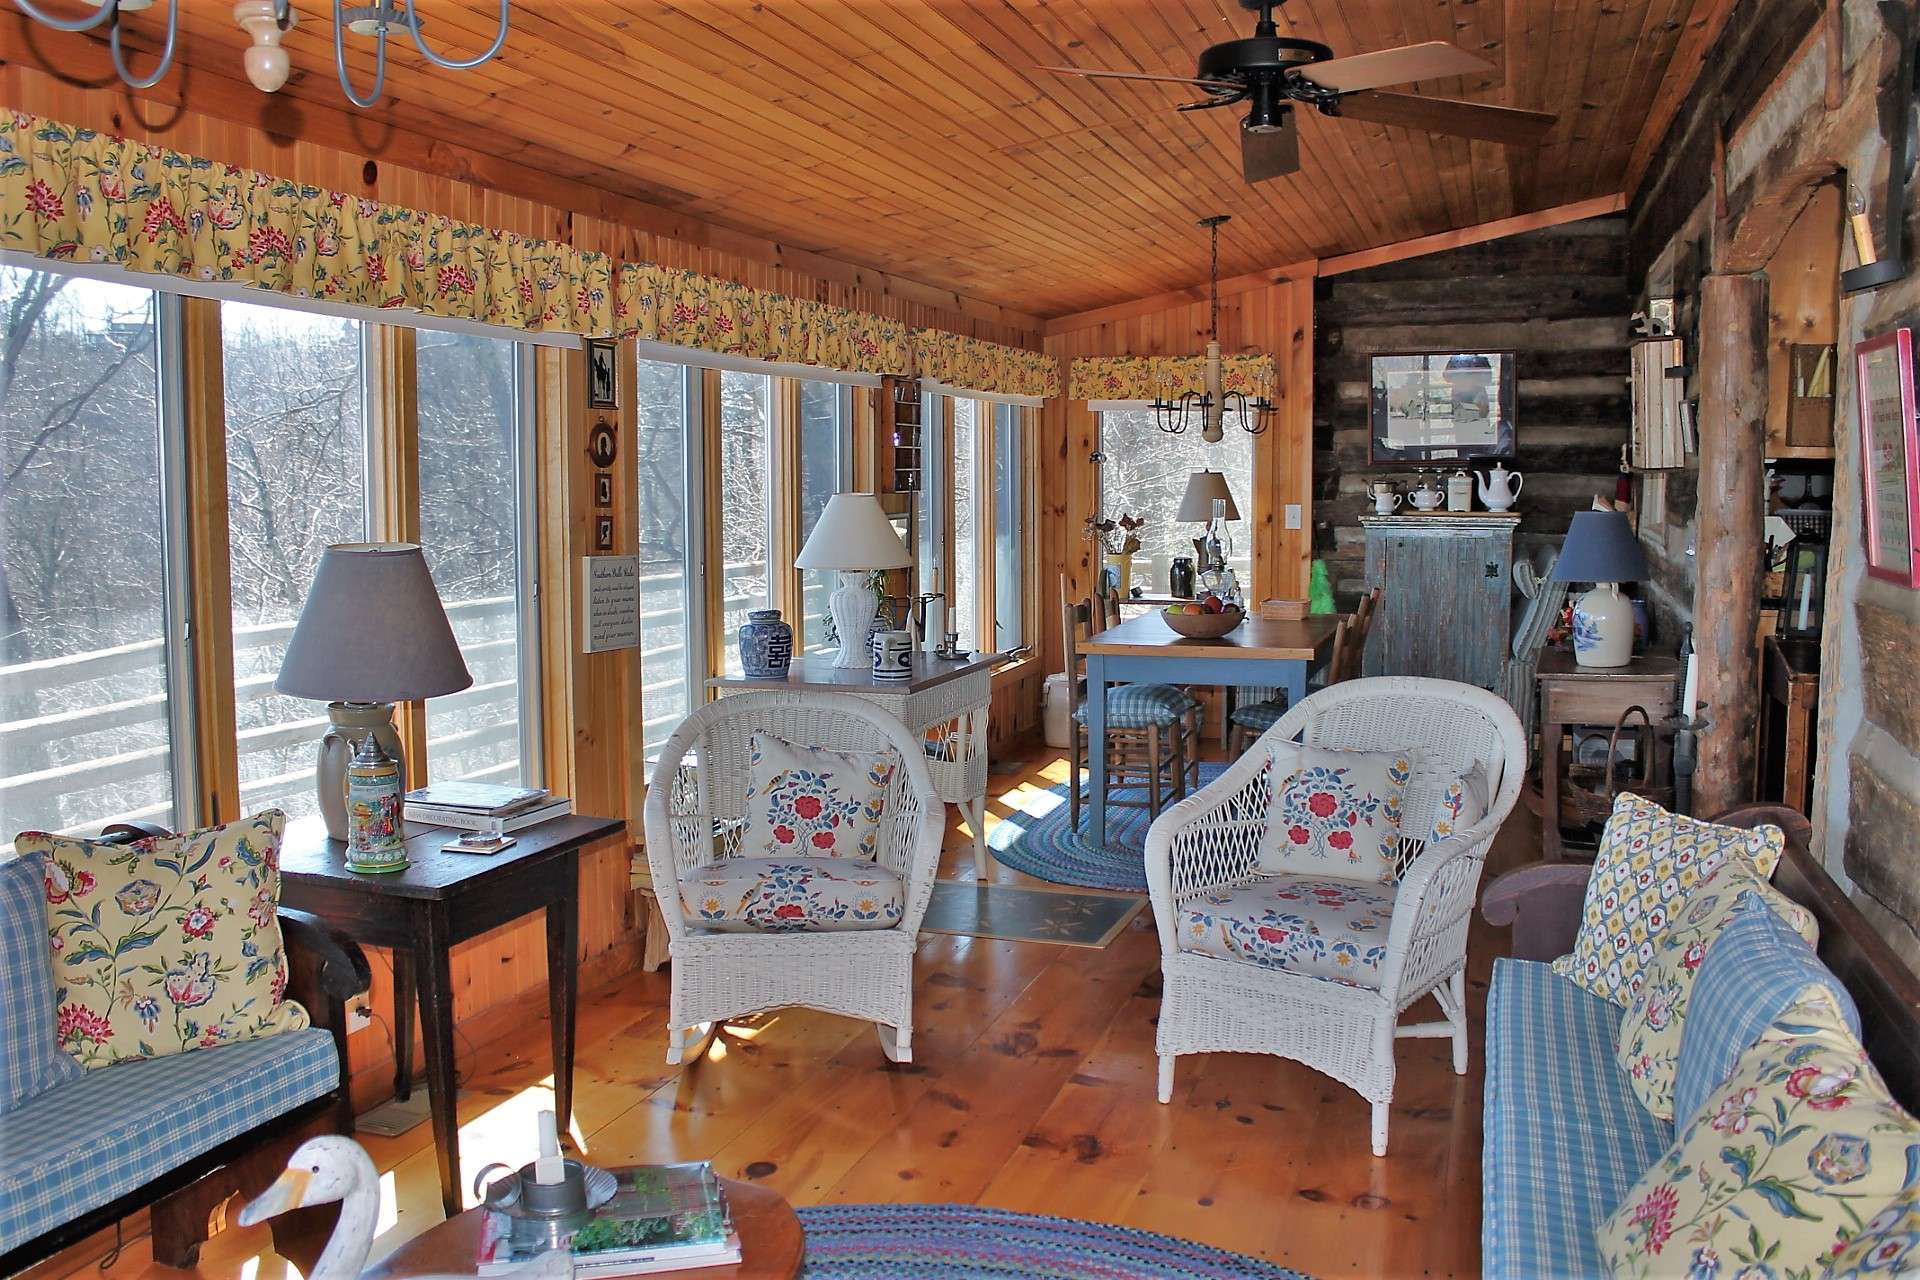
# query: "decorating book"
{"points": [[664, 1217], [473, 820], [490, 798]]}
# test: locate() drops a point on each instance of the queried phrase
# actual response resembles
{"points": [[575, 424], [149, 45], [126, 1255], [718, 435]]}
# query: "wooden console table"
{"points": [[1571, 694], [439, 901]]}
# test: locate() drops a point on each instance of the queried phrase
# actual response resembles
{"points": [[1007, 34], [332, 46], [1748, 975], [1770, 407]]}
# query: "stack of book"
{"points": [[483, 806], [664, 1217]]}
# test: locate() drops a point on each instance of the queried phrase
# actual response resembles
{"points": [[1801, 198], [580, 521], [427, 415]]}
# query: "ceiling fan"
{"points": [[1271, 72]]}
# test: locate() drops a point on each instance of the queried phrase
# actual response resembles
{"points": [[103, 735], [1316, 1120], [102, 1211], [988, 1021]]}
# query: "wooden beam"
{"points": [[1726, 594], [393, 483], [1690, 59], [210, 579], [1262, 279]]}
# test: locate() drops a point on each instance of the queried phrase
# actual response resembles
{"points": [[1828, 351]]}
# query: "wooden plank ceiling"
{"points": [[915, 136]]}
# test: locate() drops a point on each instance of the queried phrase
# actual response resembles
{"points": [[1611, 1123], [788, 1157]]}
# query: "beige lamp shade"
{"points": [[372, 630], [852, 534], [1204, 488]]}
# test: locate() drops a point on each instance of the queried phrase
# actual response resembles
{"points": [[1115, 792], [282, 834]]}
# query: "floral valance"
{"points": [[1165, 377], [979, 365], [80, 195]]}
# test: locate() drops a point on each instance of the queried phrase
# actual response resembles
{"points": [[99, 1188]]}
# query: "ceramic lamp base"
{"points": [[348, 726], [1603, 628], [853, 608]]}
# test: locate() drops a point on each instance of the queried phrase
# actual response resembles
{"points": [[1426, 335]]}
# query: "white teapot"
{"points": [[1499, 488]]}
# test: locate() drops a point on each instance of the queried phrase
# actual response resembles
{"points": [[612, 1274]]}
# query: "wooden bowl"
{"points": [[1204, 626]]}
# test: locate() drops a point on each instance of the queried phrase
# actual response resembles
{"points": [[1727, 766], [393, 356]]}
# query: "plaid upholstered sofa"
{"points": [[1565, 1138], [176, 1134]]}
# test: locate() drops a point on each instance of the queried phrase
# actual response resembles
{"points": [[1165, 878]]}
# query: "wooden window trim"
{"points": [[209, 563], [393, 483]]}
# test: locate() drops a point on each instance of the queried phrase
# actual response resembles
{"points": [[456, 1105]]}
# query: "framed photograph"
{"points": [[603, 488], [1889, 456], [603, 374], [603, 444], [1437, 406], [603, 533]]}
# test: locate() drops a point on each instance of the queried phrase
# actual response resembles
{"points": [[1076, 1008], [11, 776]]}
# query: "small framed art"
{"points": [[603, 488], [1889, 456], [603, 533], [603, 374]]}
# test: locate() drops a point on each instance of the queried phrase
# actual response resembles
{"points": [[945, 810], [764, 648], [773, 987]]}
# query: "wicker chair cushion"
{"points": [[1336, 813], [1142, 706], [1309, 925], [1260, 716], [792, 895], [814, 803], [1463, 802]]}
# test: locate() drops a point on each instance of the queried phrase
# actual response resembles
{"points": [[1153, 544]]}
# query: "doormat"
{"points": [[1013, 913]]}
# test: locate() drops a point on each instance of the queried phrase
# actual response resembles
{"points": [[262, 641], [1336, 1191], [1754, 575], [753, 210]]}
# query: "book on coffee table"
{"points": [[664, 1217]]}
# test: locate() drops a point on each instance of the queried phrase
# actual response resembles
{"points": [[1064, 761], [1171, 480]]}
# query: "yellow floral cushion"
{"points": [[1782, 1167], [166, 944], [1648, 861], [1648, 1049], [1887, 1247]]}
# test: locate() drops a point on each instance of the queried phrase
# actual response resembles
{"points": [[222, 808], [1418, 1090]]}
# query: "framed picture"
{"points": [[1889, 456], [1436, 406], [603, 444], [603, 533], [603, 488], [603, 374]]}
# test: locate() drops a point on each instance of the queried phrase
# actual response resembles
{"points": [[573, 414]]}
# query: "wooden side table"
{"points": [[771, 1242], [439, 901], [1571, 694], [1790, 679]]}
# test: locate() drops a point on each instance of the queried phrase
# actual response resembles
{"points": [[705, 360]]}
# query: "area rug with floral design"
{"points": [[1039, 841], [973, 1242]]}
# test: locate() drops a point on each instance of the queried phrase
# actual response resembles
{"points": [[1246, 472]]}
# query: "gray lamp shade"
{"points": [[1600, 547], [1203, 489], [372, 630]]}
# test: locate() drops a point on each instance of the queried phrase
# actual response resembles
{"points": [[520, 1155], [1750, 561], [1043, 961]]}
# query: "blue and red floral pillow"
{"points": [[808, 802], [1336, 813]]}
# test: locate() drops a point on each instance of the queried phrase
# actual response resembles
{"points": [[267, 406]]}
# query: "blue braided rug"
{"points": [[1038, 841], [972, 1242]]}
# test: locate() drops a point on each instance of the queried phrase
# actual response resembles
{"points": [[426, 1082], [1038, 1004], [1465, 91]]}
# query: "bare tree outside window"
{"points": [[667, 694], [1144, 470], [745, 497]]}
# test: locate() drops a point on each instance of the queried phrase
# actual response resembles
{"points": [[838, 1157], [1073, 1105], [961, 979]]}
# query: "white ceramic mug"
{"points": [[1385, 504], [892, 655]]}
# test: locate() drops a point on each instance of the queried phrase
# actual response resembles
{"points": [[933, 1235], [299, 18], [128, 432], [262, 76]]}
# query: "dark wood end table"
{"points": [[1571, 694], [423, 912], [771, 1241]]}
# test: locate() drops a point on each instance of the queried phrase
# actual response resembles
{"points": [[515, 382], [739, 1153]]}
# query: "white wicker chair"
{"points": [[693, 819], [1211, 839]]}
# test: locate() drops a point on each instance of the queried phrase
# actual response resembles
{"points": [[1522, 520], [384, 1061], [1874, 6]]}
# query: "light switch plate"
{"points": [[1293, 515]]}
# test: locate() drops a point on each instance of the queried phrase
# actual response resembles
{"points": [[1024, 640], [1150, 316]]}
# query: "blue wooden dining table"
{"points": [[1145, 650]]}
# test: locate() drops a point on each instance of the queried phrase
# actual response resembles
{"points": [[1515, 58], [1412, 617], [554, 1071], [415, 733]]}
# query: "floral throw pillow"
{"points": [[1888, 1247], [1336, 813], [1463, 802], [1648, 1048], [1649, 861], [166, 944], [808, 802], [1781, 1168]]}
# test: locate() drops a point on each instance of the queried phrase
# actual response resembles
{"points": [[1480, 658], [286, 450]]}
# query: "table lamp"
{"points": [[854, 536], [371, 634], [1601, 548], [1206, 500]]}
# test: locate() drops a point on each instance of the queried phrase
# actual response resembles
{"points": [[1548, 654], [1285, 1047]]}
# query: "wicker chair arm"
{"points": [[1226, 819]]}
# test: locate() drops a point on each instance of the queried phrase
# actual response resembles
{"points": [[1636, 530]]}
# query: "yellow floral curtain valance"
{"points": [[83, 196], [665, 304], [979, 365], [1165, 377]]}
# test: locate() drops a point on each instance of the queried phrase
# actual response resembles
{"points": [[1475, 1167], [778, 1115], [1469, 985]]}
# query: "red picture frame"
{"points": [[1889, 456]]}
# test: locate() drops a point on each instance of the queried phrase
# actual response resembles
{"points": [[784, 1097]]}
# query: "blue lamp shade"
{"points": [[1600, 547]]}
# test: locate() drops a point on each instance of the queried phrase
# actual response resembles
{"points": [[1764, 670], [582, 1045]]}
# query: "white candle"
{"points": [[551, 1167], [1690, 695], [1806, 601]]}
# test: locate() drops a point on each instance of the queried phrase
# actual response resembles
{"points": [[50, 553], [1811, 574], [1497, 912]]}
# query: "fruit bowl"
{"points": [[1204, 626]]}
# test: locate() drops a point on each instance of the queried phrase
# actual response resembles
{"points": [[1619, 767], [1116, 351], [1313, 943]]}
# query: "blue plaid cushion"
{"points": [[31, 1060], [1260, 716], [1565, 1137], [1142, 706], [92, 1140], [1753, 971]]}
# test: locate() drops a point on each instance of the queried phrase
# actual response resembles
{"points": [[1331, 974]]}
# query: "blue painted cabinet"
{"points": [[1446, 583]]}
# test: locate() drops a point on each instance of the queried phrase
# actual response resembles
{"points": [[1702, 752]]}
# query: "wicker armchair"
{"points": [[1211, 840], [694, 819]]}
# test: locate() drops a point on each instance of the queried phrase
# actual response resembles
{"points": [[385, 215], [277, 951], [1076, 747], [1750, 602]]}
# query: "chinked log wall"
{"points": [[1556, 297]]}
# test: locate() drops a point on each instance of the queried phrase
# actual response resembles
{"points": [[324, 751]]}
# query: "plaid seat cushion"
{"points": [[92, 1140], [1565, 1137], [1310, 925], [1260, 716], [1142, 706], [31, 1060], [1754, 972]]}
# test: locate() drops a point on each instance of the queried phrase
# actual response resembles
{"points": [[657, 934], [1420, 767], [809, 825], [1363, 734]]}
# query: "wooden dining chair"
{"points": [[1149, 728], [1344, 658]]}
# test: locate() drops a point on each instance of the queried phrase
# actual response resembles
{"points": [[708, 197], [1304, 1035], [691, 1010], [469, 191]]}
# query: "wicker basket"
{"points": [[1587, 792], [1204, 626]]}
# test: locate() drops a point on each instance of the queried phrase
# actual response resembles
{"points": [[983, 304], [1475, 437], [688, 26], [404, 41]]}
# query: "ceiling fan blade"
{"points": [[1433, 60], [1222, 100], [1138, 75], [1446, 115], [1271, 152]]}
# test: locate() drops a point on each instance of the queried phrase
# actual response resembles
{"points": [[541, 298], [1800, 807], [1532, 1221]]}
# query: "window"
{"points": [[672, 641], [296, 483], [965, 617], [826, 468], [930, 506], [1009, 528], [86, 733], [746, 514], [473, 521], [1144, 470]]}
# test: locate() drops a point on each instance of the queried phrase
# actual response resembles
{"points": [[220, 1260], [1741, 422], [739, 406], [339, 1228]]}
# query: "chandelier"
{"points": [[1209, 408], [266, 21]]}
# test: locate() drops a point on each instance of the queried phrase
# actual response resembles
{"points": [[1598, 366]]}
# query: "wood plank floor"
{"points": [[1032, 1088]]}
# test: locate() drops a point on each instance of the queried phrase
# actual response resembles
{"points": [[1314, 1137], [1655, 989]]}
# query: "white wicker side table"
{"points": [[943, 702]]}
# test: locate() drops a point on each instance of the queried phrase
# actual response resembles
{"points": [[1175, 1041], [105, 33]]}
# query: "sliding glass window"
{"points": [[1143, 472], [825, 468], [1009, 527], [85, 569], [672, 653]]}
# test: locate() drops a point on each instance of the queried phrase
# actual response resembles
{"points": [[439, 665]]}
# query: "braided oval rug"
{"points": [[1039, 841], [974, 1242]]}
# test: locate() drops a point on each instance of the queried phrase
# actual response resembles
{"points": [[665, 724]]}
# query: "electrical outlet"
{"points": [[1293, 515], [359, 1014]]}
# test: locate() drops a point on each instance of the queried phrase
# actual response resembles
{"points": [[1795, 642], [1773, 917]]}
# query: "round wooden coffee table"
{"points": [[771, 1243]]}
